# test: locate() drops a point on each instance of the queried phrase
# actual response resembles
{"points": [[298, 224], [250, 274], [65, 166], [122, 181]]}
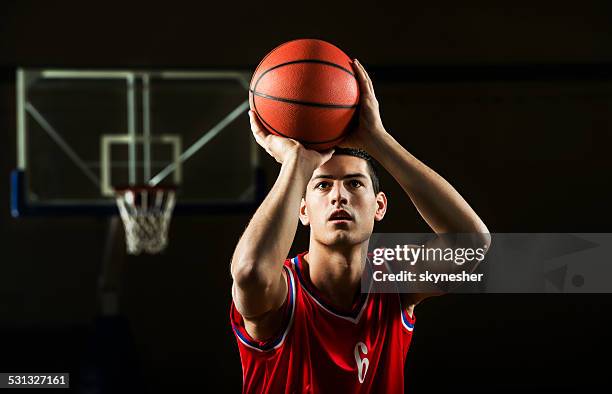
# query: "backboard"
{"points": [[83, 133]]}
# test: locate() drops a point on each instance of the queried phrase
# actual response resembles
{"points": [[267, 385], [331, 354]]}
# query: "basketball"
{"points": [[306, 90]]}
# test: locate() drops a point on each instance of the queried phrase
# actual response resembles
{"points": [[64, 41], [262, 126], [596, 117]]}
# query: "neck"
{"points": [[336, 272]]}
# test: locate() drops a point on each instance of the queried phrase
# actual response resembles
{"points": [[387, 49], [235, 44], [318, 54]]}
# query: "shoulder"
{"points": [[267, 332], [413, 299], [400, 310]]}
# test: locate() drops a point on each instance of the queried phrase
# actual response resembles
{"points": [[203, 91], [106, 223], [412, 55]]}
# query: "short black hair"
{"points": [[360, 153]]}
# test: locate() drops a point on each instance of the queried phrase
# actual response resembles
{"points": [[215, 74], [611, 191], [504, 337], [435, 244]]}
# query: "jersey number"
{"points": [[362, 363]]}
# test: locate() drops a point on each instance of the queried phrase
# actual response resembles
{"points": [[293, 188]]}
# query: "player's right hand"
{"points": [[280, 148]]}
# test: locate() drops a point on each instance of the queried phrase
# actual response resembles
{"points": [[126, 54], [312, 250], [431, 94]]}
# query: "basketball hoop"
{"points": [[146, 212]]}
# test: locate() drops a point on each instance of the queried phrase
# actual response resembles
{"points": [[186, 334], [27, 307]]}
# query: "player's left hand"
{"points": [[369, 125]]}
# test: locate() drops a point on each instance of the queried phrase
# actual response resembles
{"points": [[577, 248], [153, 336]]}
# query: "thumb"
{"points": [[327, 154]]}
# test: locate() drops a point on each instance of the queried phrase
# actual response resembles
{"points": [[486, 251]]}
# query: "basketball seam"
{"points": [[298, 62], [285, 43], [269, 53], [306, 103], [286, 136], [325, 62]]}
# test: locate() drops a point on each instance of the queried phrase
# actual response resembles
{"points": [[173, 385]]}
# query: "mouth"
{"points": [[340, 216]]}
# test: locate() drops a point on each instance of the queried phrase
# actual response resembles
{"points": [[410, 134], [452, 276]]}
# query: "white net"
{"points": [[146, 214]]}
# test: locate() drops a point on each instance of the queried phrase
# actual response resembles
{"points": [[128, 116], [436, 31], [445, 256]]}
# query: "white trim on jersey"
{"points": [[404, 315], [282, 340]]}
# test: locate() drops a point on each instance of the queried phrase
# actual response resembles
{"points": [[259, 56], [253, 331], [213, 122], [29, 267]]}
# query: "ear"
{"points": [[304, 213], [381, 204]]}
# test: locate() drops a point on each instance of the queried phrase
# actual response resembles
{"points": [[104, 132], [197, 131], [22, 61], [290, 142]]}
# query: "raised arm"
{"points": [[259, 288], [440, 205]]}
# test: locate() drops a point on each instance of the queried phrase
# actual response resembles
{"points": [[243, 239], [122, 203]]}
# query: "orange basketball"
{"points": [[306, 90]]}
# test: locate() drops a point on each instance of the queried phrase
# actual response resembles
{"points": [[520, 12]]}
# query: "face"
{"points": [[340, 205]]}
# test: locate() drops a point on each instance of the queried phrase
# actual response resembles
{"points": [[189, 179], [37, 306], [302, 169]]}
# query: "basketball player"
{"points": [[302, 324]]}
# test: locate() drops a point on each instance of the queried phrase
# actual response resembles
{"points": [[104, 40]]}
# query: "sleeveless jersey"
{"points": [[321, 349]]}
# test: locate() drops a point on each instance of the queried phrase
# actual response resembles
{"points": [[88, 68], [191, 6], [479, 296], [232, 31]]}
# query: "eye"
{"points": [[321, 185], [355, 183]]}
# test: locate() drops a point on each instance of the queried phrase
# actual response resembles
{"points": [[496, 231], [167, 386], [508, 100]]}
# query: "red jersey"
{"points": [[321, 349]]}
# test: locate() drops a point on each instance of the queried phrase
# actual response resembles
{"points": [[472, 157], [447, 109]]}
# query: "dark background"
{"points": [[510, 102]]}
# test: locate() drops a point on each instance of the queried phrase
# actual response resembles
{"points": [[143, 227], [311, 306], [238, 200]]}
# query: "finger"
{"points": [[327, 154], [258, 135], [256, 122], [259, 139], [258, 132], [366, 77], [256, 125], [363, 82]]}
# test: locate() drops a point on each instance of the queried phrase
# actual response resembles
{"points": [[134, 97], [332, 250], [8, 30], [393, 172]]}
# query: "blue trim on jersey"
{"points": [[406, 320], [269, 345]]}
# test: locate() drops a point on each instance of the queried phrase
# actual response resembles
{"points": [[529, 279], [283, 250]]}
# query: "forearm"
{"points": [[266, 242], [440, 205]]}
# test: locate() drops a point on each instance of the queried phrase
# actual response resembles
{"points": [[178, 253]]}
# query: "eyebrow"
{"points": [[355, 175]]}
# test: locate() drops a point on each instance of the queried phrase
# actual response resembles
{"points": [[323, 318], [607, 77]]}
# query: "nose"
{"points": [[338, 195]]}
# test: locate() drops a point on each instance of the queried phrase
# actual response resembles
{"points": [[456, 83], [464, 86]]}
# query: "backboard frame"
{"points": [[22, 205]]}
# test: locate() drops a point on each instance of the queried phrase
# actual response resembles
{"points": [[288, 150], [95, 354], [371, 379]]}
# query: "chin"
{"points": [[342, 238]]}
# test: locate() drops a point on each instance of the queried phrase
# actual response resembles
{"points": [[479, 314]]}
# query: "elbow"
{"points": [[241, 271], [483, 236], [486, 240], [475, 235], [246, 274], [240, 268]]}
